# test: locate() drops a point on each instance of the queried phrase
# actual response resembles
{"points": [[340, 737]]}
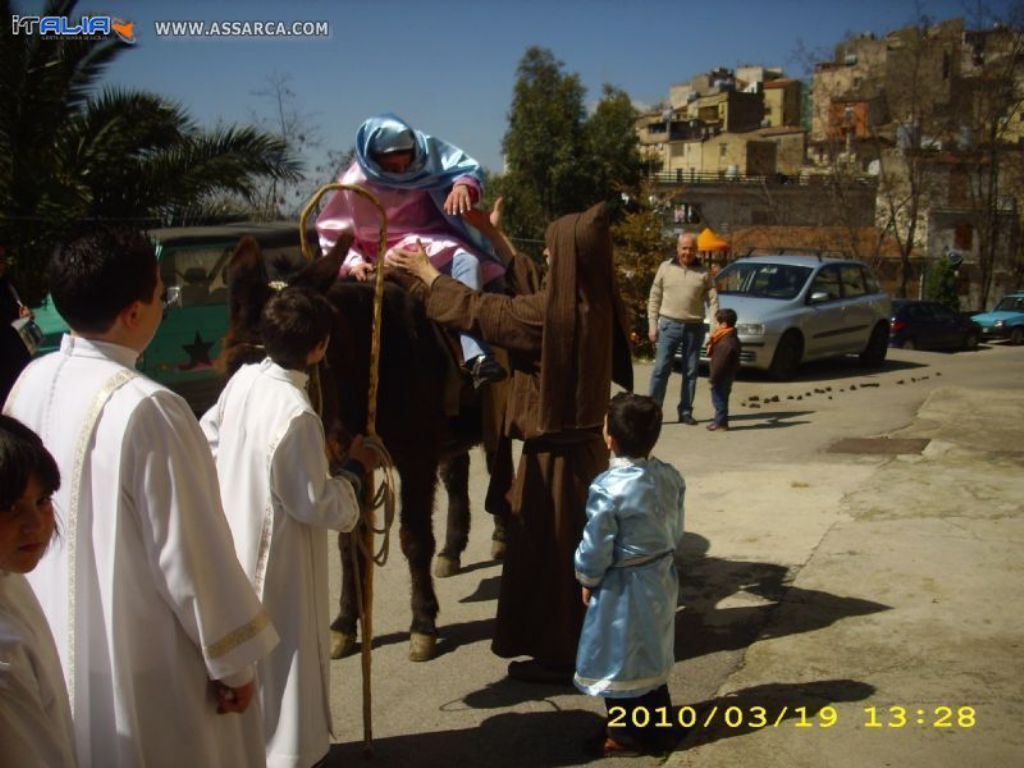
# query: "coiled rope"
{"points": [[385, 495]]}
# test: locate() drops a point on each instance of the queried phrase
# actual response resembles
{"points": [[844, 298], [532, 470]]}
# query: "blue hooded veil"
{"points": [[435, 166]]}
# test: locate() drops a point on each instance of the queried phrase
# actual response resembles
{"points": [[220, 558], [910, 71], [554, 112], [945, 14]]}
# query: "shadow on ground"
{"points": [[767, 420], [450, 636], [560, 737], [511, 739], [775, 608]]}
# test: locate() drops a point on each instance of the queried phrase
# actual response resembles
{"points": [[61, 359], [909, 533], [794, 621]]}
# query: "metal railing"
{"points": [[680, 176]]}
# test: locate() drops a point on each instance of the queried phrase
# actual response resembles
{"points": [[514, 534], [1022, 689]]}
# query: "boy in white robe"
{"points": [[35, 718], [629, 580], [280, 499], [156, 624]]}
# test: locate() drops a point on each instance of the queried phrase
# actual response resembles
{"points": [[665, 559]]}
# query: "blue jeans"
{"points": [[673, 335], [720, 400], [465, 267]]}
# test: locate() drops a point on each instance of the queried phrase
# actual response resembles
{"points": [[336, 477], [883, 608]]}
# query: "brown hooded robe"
{"points": [[566, 344]]}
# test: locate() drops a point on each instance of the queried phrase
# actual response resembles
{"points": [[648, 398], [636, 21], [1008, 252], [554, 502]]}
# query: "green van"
{"points": [[183, 354]]}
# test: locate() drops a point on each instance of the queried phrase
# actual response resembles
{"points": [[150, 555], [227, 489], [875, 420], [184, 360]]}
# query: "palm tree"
{"points": [[71, 152]]}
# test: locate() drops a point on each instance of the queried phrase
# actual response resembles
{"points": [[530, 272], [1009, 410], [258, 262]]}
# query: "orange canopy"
{"points": [[709, 241]]}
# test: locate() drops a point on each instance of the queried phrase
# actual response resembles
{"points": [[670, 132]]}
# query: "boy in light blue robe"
{"points": [[630, 584]]}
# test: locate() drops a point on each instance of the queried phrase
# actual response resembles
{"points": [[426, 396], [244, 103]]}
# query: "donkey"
{"points": [[411, 420]]}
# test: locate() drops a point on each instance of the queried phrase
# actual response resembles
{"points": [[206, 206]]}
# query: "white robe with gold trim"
{"points": [[143, 591], [280, 499]]}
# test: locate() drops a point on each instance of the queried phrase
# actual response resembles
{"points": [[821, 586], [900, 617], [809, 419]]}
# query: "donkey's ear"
{"points": [[319, 274], [247, 262], [343, 243]]}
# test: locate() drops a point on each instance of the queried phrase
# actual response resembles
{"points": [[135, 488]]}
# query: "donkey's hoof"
{"points": [[497, 549], [446, 566], [422, 647], [342, 644]]}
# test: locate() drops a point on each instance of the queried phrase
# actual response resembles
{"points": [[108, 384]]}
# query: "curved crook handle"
{"points": [[314, 202], [378, 295]]}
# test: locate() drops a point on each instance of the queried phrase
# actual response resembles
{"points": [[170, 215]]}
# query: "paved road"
{"points": [[809, 578]]}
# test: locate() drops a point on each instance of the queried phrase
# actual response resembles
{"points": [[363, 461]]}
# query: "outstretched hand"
{"points": [[415, 261], [459, 200], [484, 220], [489, 225]]}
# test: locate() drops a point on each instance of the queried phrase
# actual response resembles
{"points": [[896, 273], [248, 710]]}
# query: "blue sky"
{"points": [[448, 66]]}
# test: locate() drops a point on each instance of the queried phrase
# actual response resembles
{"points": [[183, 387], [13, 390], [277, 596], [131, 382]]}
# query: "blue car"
{"points": [[1005, 321]]}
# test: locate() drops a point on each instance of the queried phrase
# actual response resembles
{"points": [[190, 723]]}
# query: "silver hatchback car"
{"points": [[792, 309]]}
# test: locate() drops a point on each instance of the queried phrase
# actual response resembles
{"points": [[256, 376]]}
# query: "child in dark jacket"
{"points": [[724, 351]]}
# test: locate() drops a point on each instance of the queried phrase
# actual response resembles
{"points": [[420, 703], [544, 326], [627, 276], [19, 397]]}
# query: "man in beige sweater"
{"points": [[675, 316]]}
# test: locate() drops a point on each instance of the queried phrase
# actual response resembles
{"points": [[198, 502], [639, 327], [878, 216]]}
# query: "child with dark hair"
{"points": [[724, 351], [630, 585], [280, 500], [35, 717]]}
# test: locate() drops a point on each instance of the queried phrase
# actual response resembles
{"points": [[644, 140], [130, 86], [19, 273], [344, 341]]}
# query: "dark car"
{"points": [[930, 325]]}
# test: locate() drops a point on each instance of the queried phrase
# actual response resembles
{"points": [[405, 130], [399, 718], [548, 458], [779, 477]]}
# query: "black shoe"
{"points": [[688, 421], [487, 370], [534, 671]]}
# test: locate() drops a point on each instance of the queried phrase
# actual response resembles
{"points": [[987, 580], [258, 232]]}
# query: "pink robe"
{"points": [[412, 215]]}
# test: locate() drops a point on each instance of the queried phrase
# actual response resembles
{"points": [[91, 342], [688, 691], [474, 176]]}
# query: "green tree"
{"points": [[558, 159], [70, 152], [613, 151], [544, 145], [940, 284], [640, 246]]}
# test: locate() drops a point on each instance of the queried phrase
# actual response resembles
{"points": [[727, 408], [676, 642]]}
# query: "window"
{"points": [[870, 281], [764, 280], [192, 270], [827, 281], [922, 312], [853, 280], [963, 237]]}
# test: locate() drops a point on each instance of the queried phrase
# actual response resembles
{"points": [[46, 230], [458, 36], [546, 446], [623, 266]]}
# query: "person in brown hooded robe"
{"points": [[567, 342]]}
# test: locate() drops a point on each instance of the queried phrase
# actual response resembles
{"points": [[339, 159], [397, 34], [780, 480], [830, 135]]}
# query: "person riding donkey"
{"points": [[424, 185]]}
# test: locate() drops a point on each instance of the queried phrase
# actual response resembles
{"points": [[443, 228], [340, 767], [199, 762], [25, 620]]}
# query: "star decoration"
{"points": [[198, 353]]}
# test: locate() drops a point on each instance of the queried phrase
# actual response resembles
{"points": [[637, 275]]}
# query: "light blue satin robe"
{"points": [[634, 523]]}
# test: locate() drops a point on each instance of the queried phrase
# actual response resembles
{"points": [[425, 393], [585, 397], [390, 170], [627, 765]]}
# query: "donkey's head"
{"points": [[251, 282]]}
